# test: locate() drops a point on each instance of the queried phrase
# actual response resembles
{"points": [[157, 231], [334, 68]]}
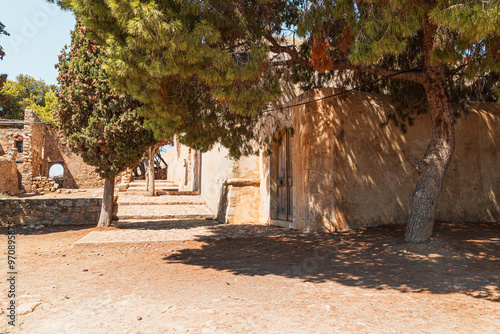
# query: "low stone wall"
{"points": [[68, 211]]}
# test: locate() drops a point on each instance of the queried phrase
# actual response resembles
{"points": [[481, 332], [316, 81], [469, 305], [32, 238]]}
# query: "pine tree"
{"points": [[200, 68], [97, 123], [443, 45]]}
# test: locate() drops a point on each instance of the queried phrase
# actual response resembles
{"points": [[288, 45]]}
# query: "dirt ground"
{"points": [[209, 278]]}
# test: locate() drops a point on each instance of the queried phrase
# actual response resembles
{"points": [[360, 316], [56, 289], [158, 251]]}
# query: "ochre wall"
{"points": [[349, 172], [9, 179], [77, 174]]}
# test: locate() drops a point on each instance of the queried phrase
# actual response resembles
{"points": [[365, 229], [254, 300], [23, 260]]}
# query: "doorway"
{"points": [[284, 182]]}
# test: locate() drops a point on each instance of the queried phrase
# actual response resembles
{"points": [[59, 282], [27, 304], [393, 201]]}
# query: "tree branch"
{"points": [[296, 59]]}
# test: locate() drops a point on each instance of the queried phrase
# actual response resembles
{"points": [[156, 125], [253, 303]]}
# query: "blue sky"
{"points": [[38, 32]]}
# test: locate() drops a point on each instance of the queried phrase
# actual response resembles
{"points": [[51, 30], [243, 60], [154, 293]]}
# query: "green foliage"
{"points": [[389, 34], [45, 112], [2, 32], [199, 68], [97, 122], [26, 92]]}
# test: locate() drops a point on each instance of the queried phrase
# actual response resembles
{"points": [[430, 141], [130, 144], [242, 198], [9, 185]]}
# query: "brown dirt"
{"points": [[261, 280]]}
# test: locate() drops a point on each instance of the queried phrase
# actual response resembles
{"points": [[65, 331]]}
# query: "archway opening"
{"points": [[56, 170]]}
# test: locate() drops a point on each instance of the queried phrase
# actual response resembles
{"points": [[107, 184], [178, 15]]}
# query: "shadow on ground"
{"points": [[37, 229], [461, 258]]}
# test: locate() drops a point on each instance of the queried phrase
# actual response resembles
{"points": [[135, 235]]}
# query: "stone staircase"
{"points": [[132, 206], [162, 187]]}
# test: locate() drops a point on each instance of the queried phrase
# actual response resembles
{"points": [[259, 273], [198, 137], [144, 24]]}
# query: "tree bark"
{"points": [[432, 167], [150, 173], [106, 215]]}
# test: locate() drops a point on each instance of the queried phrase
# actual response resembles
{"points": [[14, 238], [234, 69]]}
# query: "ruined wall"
{"points": [[70, 211], [349, 172], [77, 174], [9, 135], [9, 181], [38, 131]]}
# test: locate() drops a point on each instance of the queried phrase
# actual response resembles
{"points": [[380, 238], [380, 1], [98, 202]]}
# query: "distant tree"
{"points": [[97, 123], [45, 113], [26, 92]]}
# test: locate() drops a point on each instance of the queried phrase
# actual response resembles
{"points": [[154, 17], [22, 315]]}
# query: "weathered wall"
{"points": [[77, 174], [215, 170], [243, 196], [9, 179], [70, 211], [38, 131], [8, 137], [231, 188], [349, 172], [183, 167]]}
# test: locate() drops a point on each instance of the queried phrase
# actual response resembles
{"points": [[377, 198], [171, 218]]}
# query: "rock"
{"points": [[139, 317], [166, 308]]}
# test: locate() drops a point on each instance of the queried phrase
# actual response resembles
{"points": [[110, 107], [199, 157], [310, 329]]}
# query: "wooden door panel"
{"points": [[285, 183]]}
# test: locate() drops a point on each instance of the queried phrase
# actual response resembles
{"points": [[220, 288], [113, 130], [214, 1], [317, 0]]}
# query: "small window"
{"points": [[19, 146]]}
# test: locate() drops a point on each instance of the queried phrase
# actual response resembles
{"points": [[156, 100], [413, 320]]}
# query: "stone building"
{"points": [[28, 151], [342, 170]]}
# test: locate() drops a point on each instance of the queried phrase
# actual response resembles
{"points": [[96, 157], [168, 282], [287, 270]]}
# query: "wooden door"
{"points": [[285, 181]]}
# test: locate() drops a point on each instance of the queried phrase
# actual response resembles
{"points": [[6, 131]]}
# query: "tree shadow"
{"points": [[167, 224], [461, 258], [34, 229]]}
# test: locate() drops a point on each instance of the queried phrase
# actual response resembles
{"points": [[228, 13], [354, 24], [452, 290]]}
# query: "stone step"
{"points": [[161, 183], [155, 212], [159, 192], [168, 222], [124, 199], [163, 188]]}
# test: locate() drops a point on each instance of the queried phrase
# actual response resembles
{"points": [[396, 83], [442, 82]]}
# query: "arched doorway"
{"points": [[56, 170]]}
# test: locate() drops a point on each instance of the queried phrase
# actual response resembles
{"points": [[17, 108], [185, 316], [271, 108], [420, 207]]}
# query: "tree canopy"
{"points": [[97, 123], [2, 32], [435, 48], [200, 68]]}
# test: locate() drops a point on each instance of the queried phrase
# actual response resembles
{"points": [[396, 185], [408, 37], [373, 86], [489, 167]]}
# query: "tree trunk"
{"points": [[107, 203], [150, 173], [432, 167]]}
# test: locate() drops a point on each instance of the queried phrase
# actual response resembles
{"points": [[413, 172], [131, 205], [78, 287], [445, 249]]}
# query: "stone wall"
{"points": [[77, 174], [70, 211], [9, 181], [11, 131], [43, 184], [8, 138]]}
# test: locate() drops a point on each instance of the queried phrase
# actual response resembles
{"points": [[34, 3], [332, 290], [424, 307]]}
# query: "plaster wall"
{"points": [[216, 167], [231, 188], [183, 167], [349, 172]]}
